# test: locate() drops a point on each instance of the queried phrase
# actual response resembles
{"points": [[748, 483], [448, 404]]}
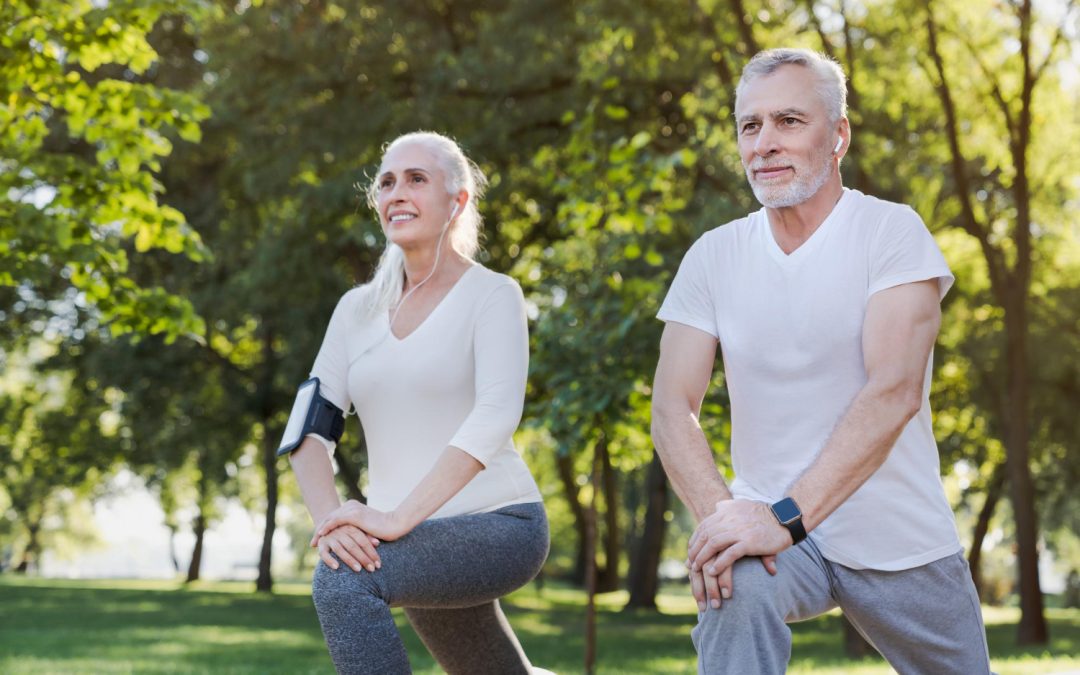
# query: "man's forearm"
{"points": [[688, 460], [899, 330], [857, 448]]}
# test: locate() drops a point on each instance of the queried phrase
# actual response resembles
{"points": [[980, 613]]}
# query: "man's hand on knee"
{"points": [[713, 583], [710, 589], [736, 529], [713, 589]]}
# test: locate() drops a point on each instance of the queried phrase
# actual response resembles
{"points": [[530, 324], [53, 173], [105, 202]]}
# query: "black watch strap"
{"points": [[789, 515]]}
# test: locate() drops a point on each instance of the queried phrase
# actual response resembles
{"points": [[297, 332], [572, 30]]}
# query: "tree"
{"points": [[1000, 210], [273, 183], [80, 141], [54, 439]]}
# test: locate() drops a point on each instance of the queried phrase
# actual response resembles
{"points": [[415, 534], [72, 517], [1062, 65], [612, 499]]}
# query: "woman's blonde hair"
{"points": [[384, 289]]}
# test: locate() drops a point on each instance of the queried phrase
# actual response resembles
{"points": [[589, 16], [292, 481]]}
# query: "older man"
{"points": [[826, 306]]}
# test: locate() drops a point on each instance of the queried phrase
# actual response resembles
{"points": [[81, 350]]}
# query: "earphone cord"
{"points": [[438, 254]]}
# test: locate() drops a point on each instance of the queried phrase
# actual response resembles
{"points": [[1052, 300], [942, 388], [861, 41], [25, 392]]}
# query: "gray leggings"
{"points": [[448, 574]]}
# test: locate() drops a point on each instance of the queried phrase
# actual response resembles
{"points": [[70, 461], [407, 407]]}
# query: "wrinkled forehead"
{"points": [[789, 87], [409, 156]]}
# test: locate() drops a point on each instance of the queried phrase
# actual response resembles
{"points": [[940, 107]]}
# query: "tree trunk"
{"points": [[172, 549], [265, 582], [855, 645], [1032, 628], [565, 466], [350, 472], [267, 408], [644, 579], [982, 525], [196, 553], [33, 548], [590, 565], [1011, 288], [608, 580]]}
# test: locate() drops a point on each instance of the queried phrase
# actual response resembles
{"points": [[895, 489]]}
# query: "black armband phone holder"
{"points": [[311, 414]]}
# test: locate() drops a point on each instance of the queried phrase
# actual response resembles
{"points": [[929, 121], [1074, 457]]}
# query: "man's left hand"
{"points": [[738, 528]]}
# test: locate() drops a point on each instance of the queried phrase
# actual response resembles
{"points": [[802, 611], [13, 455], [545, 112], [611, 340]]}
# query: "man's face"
{"points": [[786, 139]]}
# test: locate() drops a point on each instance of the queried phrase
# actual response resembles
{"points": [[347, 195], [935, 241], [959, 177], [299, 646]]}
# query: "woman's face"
{"points": [[412, 199]]}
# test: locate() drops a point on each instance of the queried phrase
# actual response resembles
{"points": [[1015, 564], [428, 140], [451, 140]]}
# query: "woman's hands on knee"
{"points": [[351, 545], [385, 526]]}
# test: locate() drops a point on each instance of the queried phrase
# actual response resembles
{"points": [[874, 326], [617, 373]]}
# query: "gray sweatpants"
{"points": [[922, 620], [448, 574]]}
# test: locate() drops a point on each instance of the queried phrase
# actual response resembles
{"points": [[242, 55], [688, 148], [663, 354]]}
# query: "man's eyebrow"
{"points": [[749, 117], [789, 112]]}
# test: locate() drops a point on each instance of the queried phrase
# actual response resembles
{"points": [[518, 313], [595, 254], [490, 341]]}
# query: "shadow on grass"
{"points": [[66, 629], [49, 626]]}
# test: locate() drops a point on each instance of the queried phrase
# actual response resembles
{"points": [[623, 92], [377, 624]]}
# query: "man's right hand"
{"points": [[709, 589], [712, 590]]}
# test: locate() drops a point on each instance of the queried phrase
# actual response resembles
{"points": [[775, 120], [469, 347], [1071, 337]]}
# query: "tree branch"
{"points": [[968, 221], [746, 28], [709, 28], [1059, 35], [995, 88], [826, 45]]}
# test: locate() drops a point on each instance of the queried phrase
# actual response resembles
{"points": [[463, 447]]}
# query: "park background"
{"points": [[180, 211]]}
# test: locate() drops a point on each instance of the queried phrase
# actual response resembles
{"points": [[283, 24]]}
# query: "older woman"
{"points": [[433, 354]]}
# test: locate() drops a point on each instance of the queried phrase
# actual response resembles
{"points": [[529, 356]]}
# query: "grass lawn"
{"points": [[54, 626]]}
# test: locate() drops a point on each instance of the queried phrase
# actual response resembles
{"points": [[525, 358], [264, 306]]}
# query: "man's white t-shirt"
{"points": [[790, 332], [457, 380]]}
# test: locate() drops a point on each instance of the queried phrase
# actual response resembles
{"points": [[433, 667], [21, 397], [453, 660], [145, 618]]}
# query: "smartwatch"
{"points": [[788, 514]]}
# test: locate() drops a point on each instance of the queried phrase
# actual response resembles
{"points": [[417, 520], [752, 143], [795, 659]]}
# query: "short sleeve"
{"points": [[904, 252], [501, 357], [689, 300]]}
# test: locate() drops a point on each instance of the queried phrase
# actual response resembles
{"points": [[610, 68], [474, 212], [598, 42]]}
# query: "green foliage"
{"points": [[56, 447], [81, 139], [605, 127]]}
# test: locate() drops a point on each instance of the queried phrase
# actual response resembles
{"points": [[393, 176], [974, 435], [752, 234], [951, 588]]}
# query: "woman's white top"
{"points": [[457, 380]]}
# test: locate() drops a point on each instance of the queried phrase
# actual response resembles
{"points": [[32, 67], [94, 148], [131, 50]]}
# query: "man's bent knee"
{"points": [[752, 587], [747, 633]]}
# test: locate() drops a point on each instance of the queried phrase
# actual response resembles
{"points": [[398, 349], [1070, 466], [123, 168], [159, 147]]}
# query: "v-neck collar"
{"points": [[434, 310], [812, 243]]}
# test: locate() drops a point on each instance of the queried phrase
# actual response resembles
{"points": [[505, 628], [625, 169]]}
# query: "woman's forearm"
{"points": [[315, 475], [453, 471]]}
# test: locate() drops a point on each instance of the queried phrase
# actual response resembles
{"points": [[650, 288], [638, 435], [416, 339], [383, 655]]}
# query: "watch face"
{"points": [[786, 510]]}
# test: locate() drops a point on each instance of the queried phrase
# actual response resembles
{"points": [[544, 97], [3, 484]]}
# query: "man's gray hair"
{"points": [[831, 81]]}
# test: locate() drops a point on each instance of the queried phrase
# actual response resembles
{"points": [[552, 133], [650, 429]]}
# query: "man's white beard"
{"points": [[801, 189]]}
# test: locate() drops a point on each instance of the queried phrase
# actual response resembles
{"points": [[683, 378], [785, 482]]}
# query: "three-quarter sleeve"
{"points": [[332, 362], [501, 356]]}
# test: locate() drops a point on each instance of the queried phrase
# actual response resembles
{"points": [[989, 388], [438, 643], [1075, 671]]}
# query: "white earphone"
{"points": [[839, 144], [435, 266]]}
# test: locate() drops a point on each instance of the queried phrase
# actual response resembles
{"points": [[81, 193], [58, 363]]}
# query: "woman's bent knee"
{"points": [[330, 586]]}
